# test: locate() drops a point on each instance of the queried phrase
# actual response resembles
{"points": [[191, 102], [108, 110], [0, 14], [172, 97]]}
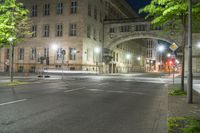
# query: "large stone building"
{"points": [[75, 26]]}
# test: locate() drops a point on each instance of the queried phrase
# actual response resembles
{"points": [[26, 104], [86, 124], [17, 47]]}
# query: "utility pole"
{"points": [[190, 76]]}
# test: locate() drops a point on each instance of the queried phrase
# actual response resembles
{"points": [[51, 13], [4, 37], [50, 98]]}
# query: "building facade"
{"points": [[72, 26]]}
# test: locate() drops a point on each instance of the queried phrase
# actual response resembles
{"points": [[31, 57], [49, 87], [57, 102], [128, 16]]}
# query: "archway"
{"points": [[153, 60]]}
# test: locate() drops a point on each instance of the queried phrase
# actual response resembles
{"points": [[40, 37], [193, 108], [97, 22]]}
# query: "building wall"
{"points": [[85, 46], [129, 56], [195, 55]]}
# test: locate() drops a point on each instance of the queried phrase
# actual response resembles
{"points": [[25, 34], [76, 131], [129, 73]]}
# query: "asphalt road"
{"points": [[88, 104]]}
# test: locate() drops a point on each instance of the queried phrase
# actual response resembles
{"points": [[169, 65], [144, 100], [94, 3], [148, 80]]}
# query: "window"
{"points": [[46, 9], [34, 31], [88, 31], [34, 11], [140, 28], [73, 6], [112, 30], [20, 69], [100, 36], [117, 57], [72, 30], [59, 30], [95, 34], [46, 30], [72, 53], [89, 10], [95, 13], [46, 52], [33, 54], [113, 56], [32, 69], [125, 28], [59, 8], [59, 53], [21, 54], [101, 18]]}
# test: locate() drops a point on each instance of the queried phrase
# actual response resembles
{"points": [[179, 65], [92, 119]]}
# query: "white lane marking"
{"points": [[95, 90], [138, 93], [103, 84], [74, 89], [162, 80], [12, 102], [98, 90]]}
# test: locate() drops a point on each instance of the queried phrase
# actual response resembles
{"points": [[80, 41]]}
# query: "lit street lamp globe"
{"points": [[168, 55], [139, 58], [161, 48], [54, 47], [198, 45], [128, 56], [97, 50], [10, 39]]}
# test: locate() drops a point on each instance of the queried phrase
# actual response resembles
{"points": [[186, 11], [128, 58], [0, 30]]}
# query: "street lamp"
{"points": [[128, 57], [54, 47], [63, 52], [168, 55], [161, 48], [177, 61], [97, 51], [198, 45], [139, 58]]}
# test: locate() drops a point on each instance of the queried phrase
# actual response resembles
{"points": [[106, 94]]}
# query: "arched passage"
{"points": [[122, 39]]}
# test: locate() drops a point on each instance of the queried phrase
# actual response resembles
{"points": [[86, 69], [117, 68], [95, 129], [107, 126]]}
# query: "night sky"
{"points": [[137, 4]]}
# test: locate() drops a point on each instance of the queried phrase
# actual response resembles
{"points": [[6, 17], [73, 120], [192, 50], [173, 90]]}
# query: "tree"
{"points": [[14, 26], [173, 15]]}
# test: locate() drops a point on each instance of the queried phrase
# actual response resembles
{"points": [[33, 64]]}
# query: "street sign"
{"points": [[173, 47]]}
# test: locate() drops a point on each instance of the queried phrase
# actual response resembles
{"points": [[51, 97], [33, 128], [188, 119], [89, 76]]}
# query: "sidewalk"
{"points": [[178, 109], [178, 106]]}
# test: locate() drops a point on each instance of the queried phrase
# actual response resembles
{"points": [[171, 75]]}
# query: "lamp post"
{"points": [[169, 63], [161, 48], [54, 47], [190, 76], [63, 52], [139, 59], [97, 51], [128, 57]]}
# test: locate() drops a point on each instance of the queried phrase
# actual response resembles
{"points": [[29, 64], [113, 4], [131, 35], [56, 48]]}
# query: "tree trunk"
{"points": [[11, 62], [183, 58]]}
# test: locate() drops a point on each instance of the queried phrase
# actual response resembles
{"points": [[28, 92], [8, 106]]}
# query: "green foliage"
{"points": [[183, 125], [176, 124], [165, 12], [175, 90], [14, 22], [13, 83]]}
